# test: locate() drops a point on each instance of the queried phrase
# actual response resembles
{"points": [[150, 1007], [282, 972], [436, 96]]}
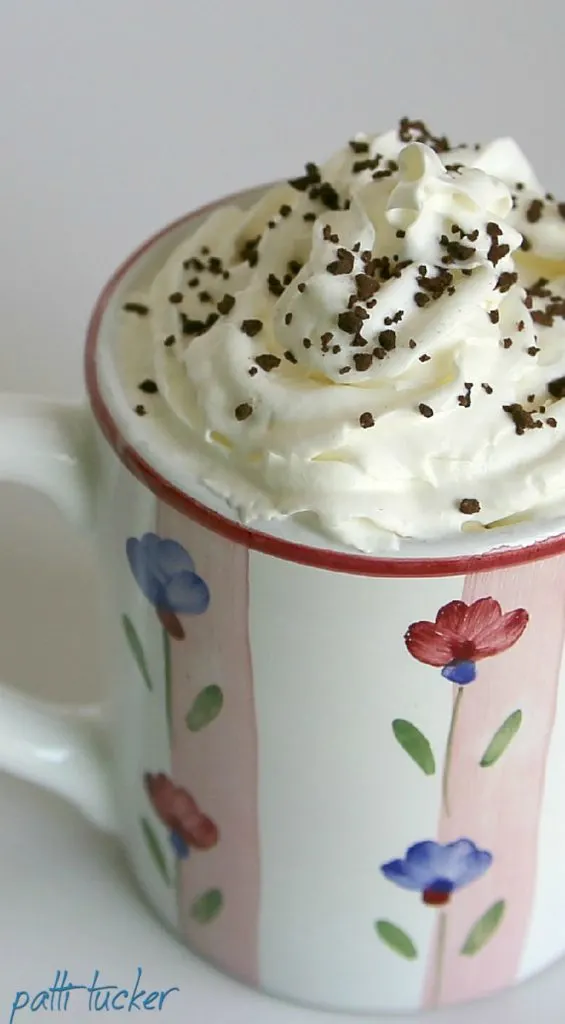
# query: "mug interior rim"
{"points": [[502, 555]]}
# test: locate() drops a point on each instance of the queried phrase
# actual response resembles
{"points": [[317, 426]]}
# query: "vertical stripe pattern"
{"points": [[498, 806], [215, 760]]}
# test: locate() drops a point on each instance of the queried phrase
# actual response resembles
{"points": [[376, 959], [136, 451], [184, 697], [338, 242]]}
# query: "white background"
{"points": [[116, 116]]}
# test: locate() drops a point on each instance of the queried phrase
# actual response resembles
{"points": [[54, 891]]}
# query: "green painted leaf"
{"points": [[155, 849], [207, 906], [501, 739], [396, 939], [205, 708], [136, 649], [483, 929], [415, 744]]}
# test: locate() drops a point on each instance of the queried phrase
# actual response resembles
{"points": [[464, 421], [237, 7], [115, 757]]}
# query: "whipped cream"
{"points": [[377, 345]]}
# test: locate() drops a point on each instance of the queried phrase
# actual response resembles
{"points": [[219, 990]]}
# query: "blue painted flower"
{"points": [[164, 571], [436, 870]]}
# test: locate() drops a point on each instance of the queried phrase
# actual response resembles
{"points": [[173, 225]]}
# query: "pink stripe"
{"points": [[218, 764], [498, 807]]}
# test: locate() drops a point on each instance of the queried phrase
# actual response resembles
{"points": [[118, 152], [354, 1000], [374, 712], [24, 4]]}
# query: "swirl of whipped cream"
{"points": [[379, 343]]}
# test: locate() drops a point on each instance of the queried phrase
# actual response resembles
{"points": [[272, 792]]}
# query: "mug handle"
{"points": [[48, 446]]}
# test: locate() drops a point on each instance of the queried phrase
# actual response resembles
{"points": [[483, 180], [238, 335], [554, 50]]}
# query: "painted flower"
{"points": [[178, 810], [462, 634], [164, 572], [436, 870]]}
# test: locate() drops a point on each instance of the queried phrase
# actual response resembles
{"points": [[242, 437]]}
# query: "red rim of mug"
{"points": [[317, 557]]}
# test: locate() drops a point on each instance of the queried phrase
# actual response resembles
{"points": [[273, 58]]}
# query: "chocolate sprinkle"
{"points": [[359, 147], [169, 340], [194, 263], [542, 317], [226, 304], [290, 356], [328, 196], [136, 307], [521, 418], [306, 342], [148, 386], [175, 298], [243, 411], [366, 286], [387, 340], [195, 327], [458, 251], [417, 131], [468, 506], [506, 280], [274, 285], [343, 264], [312, 177], [249, 252], [362, 361], [556, 387], [425, 410], [348, 321], [534, 211], [494, 316], [551, 421], [370, 164], [465, 400], [487, 388], [366, 419], [268, 362], [496, 251], [288, 318], [251, 327], [140, 410]]}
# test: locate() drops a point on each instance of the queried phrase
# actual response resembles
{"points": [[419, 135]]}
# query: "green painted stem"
{"points": [[168, 680], [439, 958], [449, 750]]}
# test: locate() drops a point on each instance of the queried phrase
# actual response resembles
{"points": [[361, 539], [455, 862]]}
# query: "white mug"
{"points": [[339, 778]]}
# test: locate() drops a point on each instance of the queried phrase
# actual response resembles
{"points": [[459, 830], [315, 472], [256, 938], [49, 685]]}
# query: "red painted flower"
{"points": [[462, 634], [179, 811]]}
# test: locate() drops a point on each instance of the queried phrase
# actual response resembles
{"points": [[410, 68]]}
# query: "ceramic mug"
{"points": [[339, 778]]}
